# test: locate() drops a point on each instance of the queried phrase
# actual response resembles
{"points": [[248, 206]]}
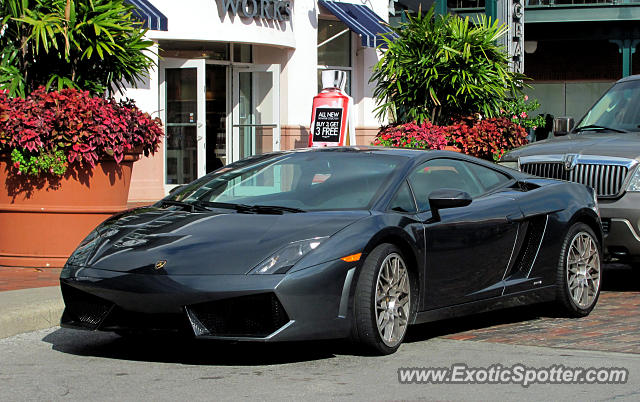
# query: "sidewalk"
{"points": [[30, 299]]}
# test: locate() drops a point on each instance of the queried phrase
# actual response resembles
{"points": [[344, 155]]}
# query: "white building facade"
{"points": [[237, 77]]}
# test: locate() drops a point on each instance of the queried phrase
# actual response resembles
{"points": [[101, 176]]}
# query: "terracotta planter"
{"points": [[42, 222]]}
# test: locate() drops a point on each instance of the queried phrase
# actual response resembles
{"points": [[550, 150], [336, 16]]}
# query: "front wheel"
{"points": [[382, 300], [579, 271]]}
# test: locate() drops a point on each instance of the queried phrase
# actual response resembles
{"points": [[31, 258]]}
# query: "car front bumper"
{"points": [[312, 303], [622, 239]]}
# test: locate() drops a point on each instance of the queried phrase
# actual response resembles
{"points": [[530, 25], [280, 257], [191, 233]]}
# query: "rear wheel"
{"points": [[382, 300], [579, 271]]}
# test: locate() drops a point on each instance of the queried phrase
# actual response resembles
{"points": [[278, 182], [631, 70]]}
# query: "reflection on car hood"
{"points": [[205, 243], [619, 145]]}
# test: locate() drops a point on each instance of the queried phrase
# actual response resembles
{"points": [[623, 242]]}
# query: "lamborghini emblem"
{"points": [[160, 264]]}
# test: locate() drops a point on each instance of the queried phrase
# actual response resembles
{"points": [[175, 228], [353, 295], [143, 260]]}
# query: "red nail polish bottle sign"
{"points": [[331, 118]]}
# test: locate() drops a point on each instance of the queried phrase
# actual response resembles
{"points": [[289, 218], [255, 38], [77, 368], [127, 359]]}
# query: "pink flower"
{"points": [[514, 117], [526, 98], [16, 165], [523, 115]]}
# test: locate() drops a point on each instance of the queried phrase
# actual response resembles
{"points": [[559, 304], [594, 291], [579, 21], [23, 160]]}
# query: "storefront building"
{"points": [[237, 77], [573, 50]]}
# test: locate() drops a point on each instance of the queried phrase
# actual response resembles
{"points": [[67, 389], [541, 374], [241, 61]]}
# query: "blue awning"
{"points": [[361, 20], [149, 15]]}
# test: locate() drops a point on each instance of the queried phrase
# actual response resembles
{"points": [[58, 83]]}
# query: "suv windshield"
{"points": [[618, 110], [300, 181]]}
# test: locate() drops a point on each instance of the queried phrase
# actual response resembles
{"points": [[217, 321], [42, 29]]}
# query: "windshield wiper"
{"points": [[247, 209], [596, 127], [270, 208], [186, 205]]}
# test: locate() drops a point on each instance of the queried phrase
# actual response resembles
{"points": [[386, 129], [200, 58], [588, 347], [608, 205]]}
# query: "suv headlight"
{"points": [[634, 183], [282, 260]]}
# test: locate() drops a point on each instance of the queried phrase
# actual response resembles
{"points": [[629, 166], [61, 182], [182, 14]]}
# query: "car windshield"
{"points": [[299, 181], [618, 110]]}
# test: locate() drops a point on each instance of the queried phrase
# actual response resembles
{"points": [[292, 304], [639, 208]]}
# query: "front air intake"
{"points": [[246, 316], [83, 309]]}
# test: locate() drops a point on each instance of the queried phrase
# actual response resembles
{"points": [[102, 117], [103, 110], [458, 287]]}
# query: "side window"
{"points": [[442, 173], [488, 178], [403, 200]]}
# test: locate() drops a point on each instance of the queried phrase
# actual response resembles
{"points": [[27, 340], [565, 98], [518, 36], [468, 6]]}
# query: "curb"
{"points": [[29, 310]]}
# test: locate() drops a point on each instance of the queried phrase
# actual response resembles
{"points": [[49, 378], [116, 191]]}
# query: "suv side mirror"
{"points": [[563, 125], [447, 198]]}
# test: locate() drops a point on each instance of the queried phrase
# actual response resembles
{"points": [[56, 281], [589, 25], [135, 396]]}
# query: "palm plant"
{"points": [[442, 67], [94, 45]]}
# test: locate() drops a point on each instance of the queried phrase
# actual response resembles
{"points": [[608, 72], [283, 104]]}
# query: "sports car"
{"points": [[346, 242]]}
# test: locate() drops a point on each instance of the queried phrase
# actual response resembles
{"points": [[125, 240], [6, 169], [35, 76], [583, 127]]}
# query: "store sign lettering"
{"points": [[279, 10], [518, 36]]}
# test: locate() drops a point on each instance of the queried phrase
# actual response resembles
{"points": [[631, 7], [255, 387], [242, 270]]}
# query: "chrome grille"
{"points": [[605, 179]]}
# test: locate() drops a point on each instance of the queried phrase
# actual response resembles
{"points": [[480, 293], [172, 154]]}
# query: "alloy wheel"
{"points": [[583, 270], [393, 298]]}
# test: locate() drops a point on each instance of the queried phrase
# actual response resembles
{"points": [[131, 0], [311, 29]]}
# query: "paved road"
{"points": [[60, 364]]}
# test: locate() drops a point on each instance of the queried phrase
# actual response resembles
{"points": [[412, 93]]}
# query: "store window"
{"points": [[334, 49], [195, 50]]}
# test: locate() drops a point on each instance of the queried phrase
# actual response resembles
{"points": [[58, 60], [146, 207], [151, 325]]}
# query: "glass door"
{"points": [[256, 110], [182, 92]]}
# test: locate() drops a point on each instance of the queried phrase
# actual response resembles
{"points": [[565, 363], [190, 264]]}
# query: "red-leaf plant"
{"points": [[486, 138], [412, 135], [48, 131]]}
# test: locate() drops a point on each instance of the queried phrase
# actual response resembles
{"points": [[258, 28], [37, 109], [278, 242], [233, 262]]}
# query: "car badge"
{"points": [[160, 264], [570, 161]]}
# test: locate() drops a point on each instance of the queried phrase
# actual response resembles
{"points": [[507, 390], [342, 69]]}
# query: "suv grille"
{"points": [[605, 179]]}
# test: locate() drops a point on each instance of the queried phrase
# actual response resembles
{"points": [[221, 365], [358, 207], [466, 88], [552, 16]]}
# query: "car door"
{"points": [[467, 248]]}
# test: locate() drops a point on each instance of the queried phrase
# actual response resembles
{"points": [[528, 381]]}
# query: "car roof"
{"points": [[629, 78], [406, 152]]}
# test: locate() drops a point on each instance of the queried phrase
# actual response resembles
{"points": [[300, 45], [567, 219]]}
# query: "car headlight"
{"points": [[511, 165], [634, 183], [282, 260], [82, 253]]}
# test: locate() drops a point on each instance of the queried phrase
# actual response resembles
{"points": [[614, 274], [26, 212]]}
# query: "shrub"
{"points": [[48, 131], [95, 45], [412, 135], [444, 67], [519, 111], [487, 139]]}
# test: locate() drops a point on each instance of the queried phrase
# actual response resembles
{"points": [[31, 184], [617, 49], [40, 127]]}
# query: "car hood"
{"points": [[203, 243], [625, 145]]}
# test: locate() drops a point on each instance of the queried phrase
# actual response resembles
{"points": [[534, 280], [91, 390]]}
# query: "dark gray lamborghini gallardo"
{"points": [[353, 243]]}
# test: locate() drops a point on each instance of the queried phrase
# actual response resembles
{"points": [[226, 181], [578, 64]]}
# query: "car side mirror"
{"points": [[563, 125], [447, 198]]}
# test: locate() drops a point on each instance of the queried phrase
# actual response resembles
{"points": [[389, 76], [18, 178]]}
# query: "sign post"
{"points": [[332, 115]]}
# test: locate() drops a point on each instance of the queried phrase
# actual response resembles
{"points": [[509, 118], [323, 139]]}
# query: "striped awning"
{"points": [[361, 20], [149, 15]]}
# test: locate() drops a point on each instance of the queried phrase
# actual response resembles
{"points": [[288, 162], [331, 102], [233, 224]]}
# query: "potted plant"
{"points": [[66, 159], [66, 155]]}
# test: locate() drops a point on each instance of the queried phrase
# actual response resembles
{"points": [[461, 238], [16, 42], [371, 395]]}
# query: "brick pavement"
{"points": [[614, 325], [12, 278]]}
